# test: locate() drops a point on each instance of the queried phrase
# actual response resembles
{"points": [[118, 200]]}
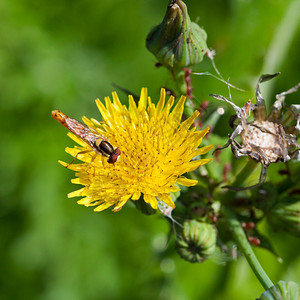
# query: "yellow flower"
{"points": [[156, 149]]}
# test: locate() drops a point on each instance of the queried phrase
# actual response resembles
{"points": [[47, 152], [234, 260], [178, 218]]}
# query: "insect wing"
{"points": [[77, 128], [97, 142]]}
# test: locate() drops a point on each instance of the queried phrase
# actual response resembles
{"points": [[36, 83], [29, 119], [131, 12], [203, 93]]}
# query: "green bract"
{"points": [[197, 241]]}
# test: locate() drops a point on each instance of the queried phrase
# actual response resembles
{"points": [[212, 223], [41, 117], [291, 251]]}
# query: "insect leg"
{"points": [[235, 133], [75, 157]]}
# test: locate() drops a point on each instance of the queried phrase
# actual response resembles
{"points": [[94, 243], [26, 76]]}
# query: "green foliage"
{"points": [[63, 55]]}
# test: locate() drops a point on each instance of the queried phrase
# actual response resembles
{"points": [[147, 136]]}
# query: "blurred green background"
{"points": [[62, 55]]}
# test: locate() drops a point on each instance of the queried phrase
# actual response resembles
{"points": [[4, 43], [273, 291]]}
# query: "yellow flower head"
{"points": [[156, 149]]}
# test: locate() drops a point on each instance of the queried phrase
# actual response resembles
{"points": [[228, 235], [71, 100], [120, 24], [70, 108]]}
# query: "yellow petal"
{"points": [[151, 200], [77, 193], [167, 199], [136, 196], [143, 101], [103, 206], [186, 182], [161, 101]]}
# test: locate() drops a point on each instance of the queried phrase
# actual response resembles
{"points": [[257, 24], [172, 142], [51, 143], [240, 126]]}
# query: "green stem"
{"points": [[243, 244], [237, 230], [178, 76]]}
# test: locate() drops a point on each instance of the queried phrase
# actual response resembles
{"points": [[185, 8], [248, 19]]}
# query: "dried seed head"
{"points": [[267, 139]]}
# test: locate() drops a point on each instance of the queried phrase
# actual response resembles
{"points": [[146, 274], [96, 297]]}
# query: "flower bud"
{"points": [[282, 290], [197, 241], [177, 42], [285, 215]]}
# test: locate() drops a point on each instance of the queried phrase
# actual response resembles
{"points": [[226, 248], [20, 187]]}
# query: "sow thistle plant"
{"points": [[154, 154]]}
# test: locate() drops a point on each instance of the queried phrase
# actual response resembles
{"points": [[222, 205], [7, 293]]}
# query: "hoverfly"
{"points": [[96, 141]]}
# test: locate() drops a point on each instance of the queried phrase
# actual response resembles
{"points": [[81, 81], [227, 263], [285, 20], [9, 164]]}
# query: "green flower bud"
{"points": [[285, 215], [197, 241], [177, 42], [282, 291]]}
